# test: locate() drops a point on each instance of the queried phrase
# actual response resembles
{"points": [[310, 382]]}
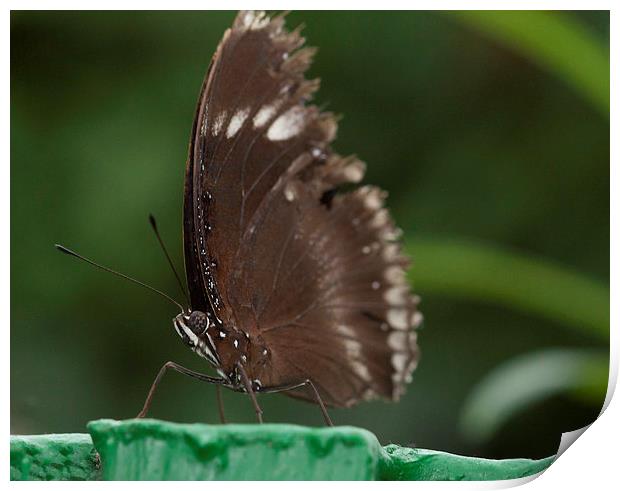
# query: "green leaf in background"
{"points": [[525, 380], [556, 42], [475, 271]]}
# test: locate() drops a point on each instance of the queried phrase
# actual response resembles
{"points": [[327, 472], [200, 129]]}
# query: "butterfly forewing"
{"points": [[272, 249]]}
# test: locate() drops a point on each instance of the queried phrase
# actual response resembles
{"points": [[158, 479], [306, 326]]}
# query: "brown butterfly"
{"points": [[294, 285]]}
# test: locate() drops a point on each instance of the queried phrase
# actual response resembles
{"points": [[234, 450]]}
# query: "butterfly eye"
{"points": [[198, 322]]}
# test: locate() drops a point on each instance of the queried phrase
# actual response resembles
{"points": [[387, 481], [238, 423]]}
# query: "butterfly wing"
{"points": [[327, 290], [241, 142], [272, 248]]}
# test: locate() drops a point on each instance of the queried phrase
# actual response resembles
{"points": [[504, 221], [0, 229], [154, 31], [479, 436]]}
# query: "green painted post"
{"points": [[154, 450], [232, 452]]}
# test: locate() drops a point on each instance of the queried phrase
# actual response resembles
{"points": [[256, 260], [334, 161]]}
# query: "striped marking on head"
{"points": [[201, 345]]}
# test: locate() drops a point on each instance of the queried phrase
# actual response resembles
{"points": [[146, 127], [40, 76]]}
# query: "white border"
{"points": [[314, 5], [590, 462]]}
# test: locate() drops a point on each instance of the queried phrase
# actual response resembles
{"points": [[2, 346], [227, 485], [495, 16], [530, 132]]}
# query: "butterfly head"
{"points": [[193, 328]]}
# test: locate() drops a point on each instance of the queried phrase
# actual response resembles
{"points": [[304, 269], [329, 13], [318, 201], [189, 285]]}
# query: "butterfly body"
{"points": [[290, 280]]}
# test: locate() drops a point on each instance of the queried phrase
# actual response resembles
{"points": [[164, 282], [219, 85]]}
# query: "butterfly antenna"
{"points": [[161, 243], [75, 254]]}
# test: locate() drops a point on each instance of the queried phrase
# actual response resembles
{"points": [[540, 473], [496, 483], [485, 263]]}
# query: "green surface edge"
{"points": [[417, 464], [233, 451], [54, 457], [73, 456]]}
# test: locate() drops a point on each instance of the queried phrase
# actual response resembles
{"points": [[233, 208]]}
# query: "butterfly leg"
{"points": [[328, 420], [220, 404], [180, 369], [317, 396], [250, 391]]}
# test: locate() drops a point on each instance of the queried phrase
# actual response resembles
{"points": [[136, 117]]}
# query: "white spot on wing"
{"points": [[287, 125], [373, 200], [397, 295], [354, 172], [390, 252], [404, 360], [236, 122], [254, 20], [218, 123], [399, 362], [248, 18], [397, 340], [397, 318], [203, 126], [361, 370], [354, 352], [289, 192], [380, 219], [259, 23], [394, 275], [391, 234], [263, 115]]}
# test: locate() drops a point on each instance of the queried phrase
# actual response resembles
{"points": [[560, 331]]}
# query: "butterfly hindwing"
{"points": [[329, 296]]}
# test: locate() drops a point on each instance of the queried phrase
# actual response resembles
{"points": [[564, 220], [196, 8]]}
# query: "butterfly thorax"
{"points": [[225, 348], [236, 348]]}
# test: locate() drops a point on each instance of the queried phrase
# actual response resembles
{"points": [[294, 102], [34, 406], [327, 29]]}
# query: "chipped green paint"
{"points": [[54, 458], [154, 450], [416, 464]]}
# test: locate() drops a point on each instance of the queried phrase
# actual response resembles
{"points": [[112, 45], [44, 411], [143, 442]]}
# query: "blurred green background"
{"points": [[490, 131]]}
